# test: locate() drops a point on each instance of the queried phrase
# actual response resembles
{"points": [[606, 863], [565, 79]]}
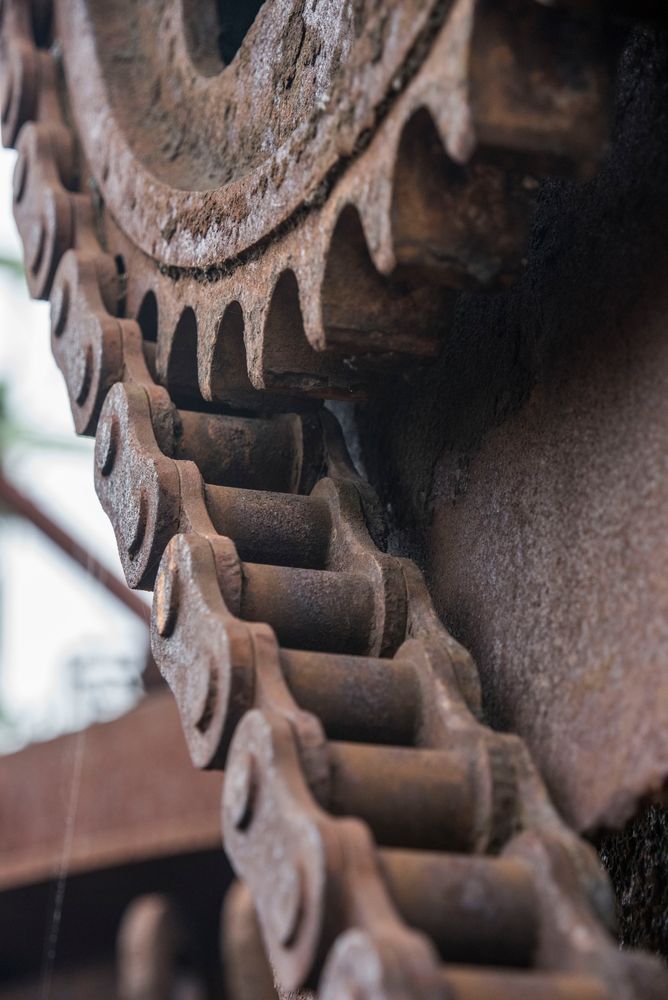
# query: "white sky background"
{"points": [[50, 610]]}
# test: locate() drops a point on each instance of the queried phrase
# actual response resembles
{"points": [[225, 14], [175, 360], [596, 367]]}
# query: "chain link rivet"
{"points": [[20, 176], [134, 524], [82, 374], [36, 244], [106, 443], [241, 790], [166, 600], [60, 307]]}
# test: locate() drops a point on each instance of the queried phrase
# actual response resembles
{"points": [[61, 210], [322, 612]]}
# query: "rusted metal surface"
{"points": [[351, 277], [333, 74], [564, 512], [333, 815], [153, 804], [360, 263], [533, 477], [148, 459]]}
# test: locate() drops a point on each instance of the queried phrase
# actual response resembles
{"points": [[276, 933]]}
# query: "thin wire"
{"points": [[51, 942]]}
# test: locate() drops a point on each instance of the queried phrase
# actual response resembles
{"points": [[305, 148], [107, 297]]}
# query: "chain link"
{"points": [[394, 846]]}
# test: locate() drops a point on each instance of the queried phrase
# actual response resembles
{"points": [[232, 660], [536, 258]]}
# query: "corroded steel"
{"points": [[565, 513], [388, 838], [414, 173]]}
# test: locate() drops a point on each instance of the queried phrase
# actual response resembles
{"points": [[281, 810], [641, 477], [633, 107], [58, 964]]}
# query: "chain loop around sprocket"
{"points": [[394, 846]]}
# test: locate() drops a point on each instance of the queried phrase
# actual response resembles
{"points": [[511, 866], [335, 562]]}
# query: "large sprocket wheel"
{"points": [[294, 191], [233, 209]]}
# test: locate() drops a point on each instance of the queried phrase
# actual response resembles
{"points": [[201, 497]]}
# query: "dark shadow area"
{"points": [[93, 905]]}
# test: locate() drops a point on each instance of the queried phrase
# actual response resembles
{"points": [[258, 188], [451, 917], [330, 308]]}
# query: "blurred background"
{"points": [[110, 841], [70, 653]]}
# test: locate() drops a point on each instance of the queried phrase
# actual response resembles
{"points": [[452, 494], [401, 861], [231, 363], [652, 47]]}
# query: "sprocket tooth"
{"points": [[286, 360], [223, 367], [364, 313], [176, 342], [464, 227]]}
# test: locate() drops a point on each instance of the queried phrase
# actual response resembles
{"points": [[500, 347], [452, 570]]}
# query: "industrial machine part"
{"points": [[224, 246]]}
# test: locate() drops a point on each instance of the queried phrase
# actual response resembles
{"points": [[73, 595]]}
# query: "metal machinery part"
{"points": [[222, 248]]}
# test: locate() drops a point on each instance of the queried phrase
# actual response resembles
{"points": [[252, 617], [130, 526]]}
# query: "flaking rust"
{"points": [[389, 840]]}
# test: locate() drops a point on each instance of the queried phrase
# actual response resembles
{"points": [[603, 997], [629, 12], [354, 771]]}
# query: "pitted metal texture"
{"points": [[388, 838], [412, 173]]}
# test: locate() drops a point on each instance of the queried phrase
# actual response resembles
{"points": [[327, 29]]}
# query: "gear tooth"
{"points": [[461, 226], [255, 313], [214, 363], [254, 293], [143, 289], [366, 187], [181, 372], [224, 361], [364, 313], [286, 353], [373, 202], [169, 312], [288, 359], [309, 281], [147, 316]]}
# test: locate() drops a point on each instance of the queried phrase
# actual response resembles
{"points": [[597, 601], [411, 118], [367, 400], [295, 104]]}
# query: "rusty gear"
{"points": [[392, 156]]}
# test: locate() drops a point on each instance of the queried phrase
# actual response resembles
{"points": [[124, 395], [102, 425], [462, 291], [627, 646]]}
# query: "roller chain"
{"points": [[392, 845]]}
